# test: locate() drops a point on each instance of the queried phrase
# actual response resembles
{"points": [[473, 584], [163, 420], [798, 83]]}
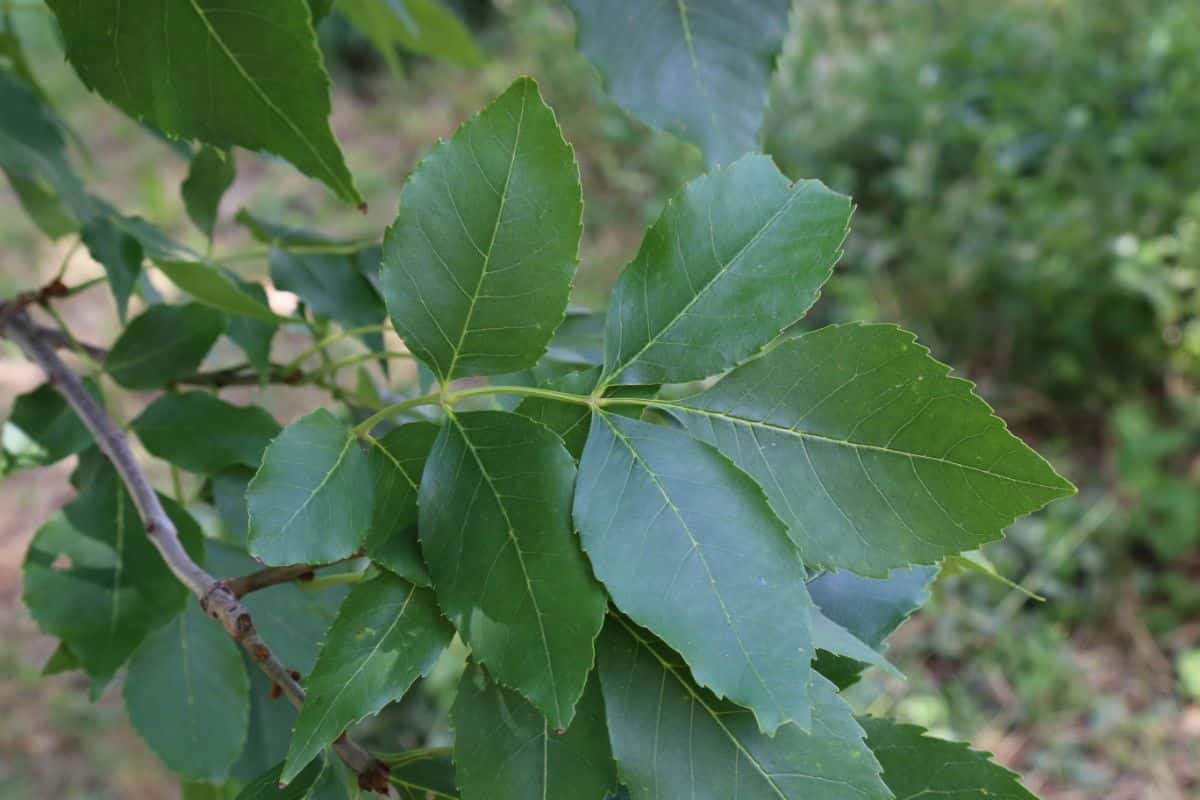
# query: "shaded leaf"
{"points": [[311, 500], [387, 633], [49, 422], [397, 461], [212, 287], [332, 285], [916, 766], [874, 456], [251, 334], [210, 175], [833, 639], [506, 749], [734, 259], [687, 546], [495, 528], [673, 739], [255, 80], [204, 434], [188, 696], [569, 421], [266, 786], [422, 26], [163, 344], [698, 69], [119, 253], [229, 498], [479, 261], [424, 775]]}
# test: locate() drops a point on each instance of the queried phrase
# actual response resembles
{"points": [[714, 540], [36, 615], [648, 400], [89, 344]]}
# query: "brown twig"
{"points": [[269, 577], [216, 598]]}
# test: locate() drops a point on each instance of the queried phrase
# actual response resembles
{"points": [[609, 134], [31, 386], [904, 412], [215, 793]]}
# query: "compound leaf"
{"points": [[204, 434], [479, 261]]}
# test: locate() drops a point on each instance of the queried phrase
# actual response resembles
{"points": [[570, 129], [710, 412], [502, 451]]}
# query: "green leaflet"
{"points": [[505, 748], [212, 287], [210, 174], [423, 775], [688, 547], [737, 256], [45, 418], [252, 334], [495, 525], [570, 421], [200, 69], [423, 26], [188, 696], [334, 285], [204, 434], [673, 739], [397, 460], [113, 587], [119, 253], [698, 69], [61, 660], [387, 633], [312, 499], [830, 637], [229, 498], [874, 456], [270, 728], [202, 790], [163, 344], [919, 766], [266, 786], [479, 261]]}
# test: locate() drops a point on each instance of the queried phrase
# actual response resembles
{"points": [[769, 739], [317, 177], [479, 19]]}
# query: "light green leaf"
{"points": [[93, 579], [688, 547], [50, 423], [387, 634], [163, 344], [61, 660], [698, 69], [673, 739], [312, 498], [210, 175], [506, 749], [495, 527], [919, 766], [397, 460], [975, 561], [479, 262], [214, 288], [422, 26], [204, 434], [188, 696], [874, 456], [266, 786], [739, 255], [119, 253], [200, 69]]}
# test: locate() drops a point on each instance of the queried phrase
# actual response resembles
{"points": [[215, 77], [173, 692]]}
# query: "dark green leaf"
{"points": [[204, 434], [505, 748], [739, 255], [687, 546], [570, 421], [495, 526], [211, 173], [93, 579], [202, 790], [331, 284], [424, 775], [199, 69], [266, 786], [312, 498], [320, 9], [397, 460], [422, 26], [119, 253], [44, 416], [478, 264], [253, 335], [270, 729], [698, 69], [919, 766], [229, 497], [188, 696], [874, 456], [832, 638], [163, 344], [212, 287], [387, 634], [673, 739]]}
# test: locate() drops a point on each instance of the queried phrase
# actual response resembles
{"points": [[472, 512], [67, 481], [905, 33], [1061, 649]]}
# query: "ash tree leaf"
{"points": [[495, 523], [210, 175], [200, 69], [673, 739], [163, 344], [266, 785], [204, 434], [506, 749], [188, 695], [868, 449], [387, 634], [831, 638], [312, 499], [918, 766], [93, 578], [228, 489], [422, 26], [868, 609], [333, 286], [423, 775], [698, 69], [397, 461], [49, 422], [119, 253], [735, 258], [688, 547], [270, 728], [252, 334], [569, 421], [212, 287], [479, 262]]}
